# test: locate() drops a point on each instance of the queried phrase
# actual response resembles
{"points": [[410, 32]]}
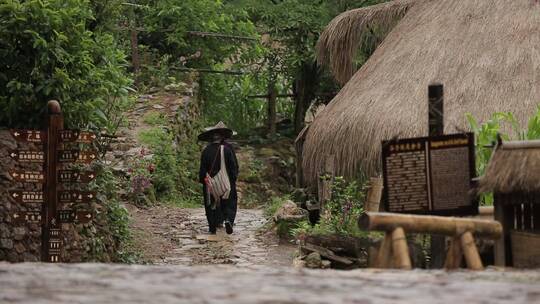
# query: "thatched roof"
{"points": [[485, 52], [514, 167]]}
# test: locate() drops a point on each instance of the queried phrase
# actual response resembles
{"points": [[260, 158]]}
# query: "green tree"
{"points": [[48, 52]]}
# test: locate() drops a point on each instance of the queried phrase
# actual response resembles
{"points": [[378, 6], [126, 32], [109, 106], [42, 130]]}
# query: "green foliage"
{"points": [[110, 241], [486, 137], [168, 23], [340, 213], [155, 118], [174, 179], [48, 52], [274, 204]]}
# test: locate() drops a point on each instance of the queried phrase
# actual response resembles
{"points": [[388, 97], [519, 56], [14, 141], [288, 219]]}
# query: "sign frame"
{"points": [[470, 209]]}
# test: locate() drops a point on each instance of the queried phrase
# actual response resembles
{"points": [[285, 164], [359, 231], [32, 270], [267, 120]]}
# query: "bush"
{"points": [[48, 52], [340, 213]]}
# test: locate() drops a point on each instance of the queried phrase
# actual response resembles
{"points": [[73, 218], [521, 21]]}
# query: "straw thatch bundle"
{"points": [[514, 167], [485, 52]]}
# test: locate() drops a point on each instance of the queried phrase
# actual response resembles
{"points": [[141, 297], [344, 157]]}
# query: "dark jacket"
{"points": [[211, 161]]}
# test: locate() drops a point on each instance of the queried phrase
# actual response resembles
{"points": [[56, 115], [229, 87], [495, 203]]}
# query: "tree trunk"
{"points": [[272, 98], [305, 88]]}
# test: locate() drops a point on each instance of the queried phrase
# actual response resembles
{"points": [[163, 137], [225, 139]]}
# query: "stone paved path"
{"points": [[99, 283], [179, 237]]}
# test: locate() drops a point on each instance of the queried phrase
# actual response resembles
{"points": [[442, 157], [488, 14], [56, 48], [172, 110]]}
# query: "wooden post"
{"points": [[471, 252], [325, 186], [374, 194], [436, 127], [499, 248], [400, 250], [55, 124]]}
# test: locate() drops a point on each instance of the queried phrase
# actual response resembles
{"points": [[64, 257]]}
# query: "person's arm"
{"points": [[203, 167], [231, 162]]}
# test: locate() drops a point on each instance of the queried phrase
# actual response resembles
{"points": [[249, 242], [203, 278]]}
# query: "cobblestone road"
{"points": [[99, 283], [179, 237]]}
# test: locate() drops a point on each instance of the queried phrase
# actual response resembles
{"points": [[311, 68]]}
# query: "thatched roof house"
{"points": [[485, 52], [513, 168]]}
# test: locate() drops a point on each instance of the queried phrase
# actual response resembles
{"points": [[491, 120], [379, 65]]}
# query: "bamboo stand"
{"points": [[394, 252]]}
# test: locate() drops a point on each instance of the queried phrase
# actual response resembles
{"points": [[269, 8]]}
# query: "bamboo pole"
{"points": [[400, 250], [454, 255], [374, 194], [439, 225], [471, 252], [385, 252]]}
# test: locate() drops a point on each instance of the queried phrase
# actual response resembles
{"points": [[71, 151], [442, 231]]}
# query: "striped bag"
{"points": [[219, 185]]}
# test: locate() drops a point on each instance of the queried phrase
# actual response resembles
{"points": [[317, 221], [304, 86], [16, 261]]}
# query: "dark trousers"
{"points": [[225, 211]]}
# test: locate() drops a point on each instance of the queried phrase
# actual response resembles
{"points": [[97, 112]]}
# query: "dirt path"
{"points": [[169, 235]]}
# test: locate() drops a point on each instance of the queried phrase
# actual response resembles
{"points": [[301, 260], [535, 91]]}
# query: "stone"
{"points": [[6, 243], [289, 211], [313, 260], [19, 233], [298, 262], [325, 264], [4, 230], [19, 247], [29, 257]]}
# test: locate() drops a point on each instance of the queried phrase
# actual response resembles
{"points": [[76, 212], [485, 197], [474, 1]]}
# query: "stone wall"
{"points": [[18, 243]]}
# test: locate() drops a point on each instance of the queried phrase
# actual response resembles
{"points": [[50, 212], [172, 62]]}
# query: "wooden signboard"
{"points": [[26, 196], [74, 196], [27, 176], [27, 217], [35, 136], [77, 136], [28, 156], [430, 175], [71, 216], [76, 156], [52, 157], [72, 176]]}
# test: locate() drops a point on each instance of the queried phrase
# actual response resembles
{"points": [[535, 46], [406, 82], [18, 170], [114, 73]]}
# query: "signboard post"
{"points": [[431, 175], [52, 157]]}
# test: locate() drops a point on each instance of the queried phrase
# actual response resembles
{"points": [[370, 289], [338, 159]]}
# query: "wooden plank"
{"points": [[518, 215], [499, 248], [527, 214], [327, 253], [536, 214]]}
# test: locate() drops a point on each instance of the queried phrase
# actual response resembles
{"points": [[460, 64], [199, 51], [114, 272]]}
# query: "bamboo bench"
{"points": [[394, 252]]}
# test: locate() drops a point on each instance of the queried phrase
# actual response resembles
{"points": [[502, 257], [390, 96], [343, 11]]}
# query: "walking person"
{"points": [[218, 173]]}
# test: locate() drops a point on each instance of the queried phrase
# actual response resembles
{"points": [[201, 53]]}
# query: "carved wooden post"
{"points": [[55, 124]]}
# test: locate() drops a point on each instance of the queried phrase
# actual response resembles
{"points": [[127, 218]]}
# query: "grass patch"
{"points": [[155, 118], [274, 204]]}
